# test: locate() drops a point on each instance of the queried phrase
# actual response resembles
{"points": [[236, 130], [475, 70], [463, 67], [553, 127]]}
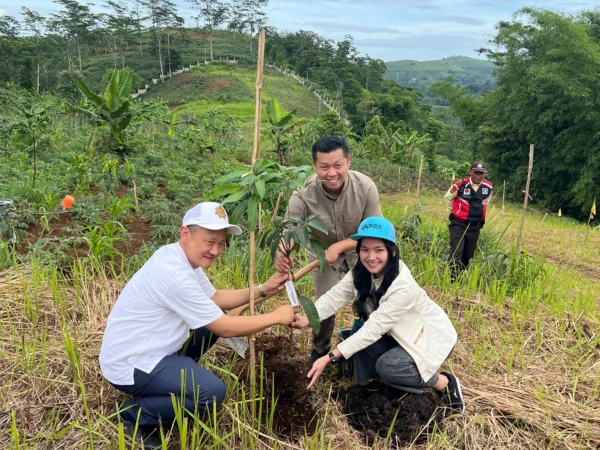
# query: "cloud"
{"points": [[353, 28], [465, 20], [425, 42]]}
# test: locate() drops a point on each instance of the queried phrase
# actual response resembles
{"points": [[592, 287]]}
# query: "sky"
{"points": [[387, 29]]}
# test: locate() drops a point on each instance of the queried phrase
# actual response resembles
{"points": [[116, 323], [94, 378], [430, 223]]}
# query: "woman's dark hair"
{"points": [[363, 283]]}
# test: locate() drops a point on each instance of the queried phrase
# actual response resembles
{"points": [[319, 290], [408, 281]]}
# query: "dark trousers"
{"points": [[152, 391], [387, 361], [463, 241]]}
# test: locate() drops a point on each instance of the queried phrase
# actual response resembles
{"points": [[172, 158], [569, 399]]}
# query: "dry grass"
{"points": [[546, 398]]}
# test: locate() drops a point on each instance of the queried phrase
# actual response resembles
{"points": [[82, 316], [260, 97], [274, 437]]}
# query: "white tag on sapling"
{"points": [[291, 292]]}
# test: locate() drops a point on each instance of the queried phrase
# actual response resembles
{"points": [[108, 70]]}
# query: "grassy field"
{"points": [[528, 325], [527, 352]]}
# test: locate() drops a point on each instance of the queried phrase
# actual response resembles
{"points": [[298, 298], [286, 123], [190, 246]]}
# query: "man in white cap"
{"points": [[143, 350]]}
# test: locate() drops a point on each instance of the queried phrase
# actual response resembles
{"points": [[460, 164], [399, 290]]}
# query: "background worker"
{"points": [[341, 198], [467, 201], [405, 336], [144, 347]]}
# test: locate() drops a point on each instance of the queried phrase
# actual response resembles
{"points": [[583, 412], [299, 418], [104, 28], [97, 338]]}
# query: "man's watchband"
{"points": [[261, 291]]}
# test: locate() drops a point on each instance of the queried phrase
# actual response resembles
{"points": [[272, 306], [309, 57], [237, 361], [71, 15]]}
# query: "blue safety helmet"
{"points": [[376, 227]]}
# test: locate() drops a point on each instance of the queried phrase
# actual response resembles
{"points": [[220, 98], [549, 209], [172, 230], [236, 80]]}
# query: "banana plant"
{"points": [[113, 106], [280, 126]]}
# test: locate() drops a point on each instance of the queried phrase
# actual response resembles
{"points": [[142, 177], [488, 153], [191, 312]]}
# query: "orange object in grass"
{"points": [[67, 202]]}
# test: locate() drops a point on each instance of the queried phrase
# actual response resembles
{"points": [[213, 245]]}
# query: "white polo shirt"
{"points": [[153, 315]]}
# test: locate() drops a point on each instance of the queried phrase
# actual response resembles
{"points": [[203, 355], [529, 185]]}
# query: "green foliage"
{"points": [[475, 75], [547, 96], [280, 126], [114, 107], [136, 79]]}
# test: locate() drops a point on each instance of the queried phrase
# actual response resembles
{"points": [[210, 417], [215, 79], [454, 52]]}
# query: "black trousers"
{"points": [[176, 374], [463, 241]]}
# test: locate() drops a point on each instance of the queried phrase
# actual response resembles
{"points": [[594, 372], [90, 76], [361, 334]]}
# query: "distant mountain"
{"points": [[474, 74]]}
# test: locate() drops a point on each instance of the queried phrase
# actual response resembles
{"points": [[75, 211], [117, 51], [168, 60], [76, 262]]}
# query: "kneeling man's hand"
{"points": [[285, 314]]}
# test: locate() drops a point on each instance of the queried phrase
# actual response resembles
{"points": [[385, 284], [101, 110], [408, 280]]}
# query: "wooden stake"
{"points": [[503, 192], [137, 205], [590, 216], [529, 169], [276, 206], [420, 174], [255, 157]]}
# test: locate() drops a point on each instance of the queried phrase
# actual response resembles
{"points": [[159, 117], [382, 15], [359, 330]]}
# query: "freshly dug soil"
{"points": [[296, 408], [371, 409]]}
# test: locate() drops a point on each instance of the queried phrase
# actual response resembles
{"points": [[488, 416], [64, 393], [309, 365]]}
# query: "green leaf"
{"points": [[317, 247], [237, 196], [230, 177], [318, 225], [238, 212], [96, 100], [275, 246], [253, 212], [225, 189], [301, 236], [260, 188], [311, 312]]}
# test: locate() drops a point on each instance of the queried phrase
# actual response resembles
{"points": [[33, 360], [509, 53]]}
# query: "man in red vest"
{"points": [[467, 200]]}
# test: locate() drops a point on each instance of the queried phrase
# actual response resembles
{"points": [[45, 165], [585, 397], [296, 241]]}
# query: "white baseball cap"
{"points": [[212, 216]]}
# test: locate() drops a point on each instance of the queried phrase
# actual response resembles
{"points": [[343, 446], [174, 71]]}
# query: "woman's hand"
{"points": [[299, 321], [275, 284], [317, 369]]}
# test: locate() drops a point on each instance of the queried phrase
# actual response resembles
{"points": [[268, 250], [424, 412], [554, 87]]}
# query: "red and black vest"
{"points": [[469, 206]]}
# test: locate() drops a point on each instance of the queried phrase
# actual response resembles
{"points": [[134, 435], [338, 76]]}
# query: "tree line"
{"points": [[35, 49], [548, 94]]}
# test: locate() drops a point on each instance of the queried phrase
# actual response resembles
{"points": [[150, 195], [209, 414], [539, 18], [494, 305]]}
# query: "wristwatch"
{"points": [[261, 291], [334, 359]]}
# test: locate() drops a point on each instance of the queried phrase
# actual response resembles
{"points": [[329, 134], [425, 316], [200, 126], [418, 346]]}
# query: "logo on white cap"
{"points": [[212, 216]]}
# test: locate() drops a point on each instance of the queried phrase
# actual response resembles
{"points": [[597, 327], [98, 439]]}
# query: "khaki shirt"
{"points": [[358, 200]]}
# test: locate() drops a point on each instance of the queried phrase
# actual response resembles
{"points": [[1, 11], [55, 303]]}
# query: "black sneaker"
{"points": [[149, 435], [452, 394], [314, 355]]}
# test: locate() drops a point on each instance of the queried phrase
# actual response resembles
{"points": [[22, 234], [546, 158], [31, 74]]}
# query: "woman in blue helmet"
{"points": [[405, 336]]}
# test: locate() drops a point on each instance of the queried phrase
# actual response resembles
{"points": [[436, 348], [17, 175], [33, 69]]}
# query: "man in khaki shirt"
{"points": [[342, 199]]}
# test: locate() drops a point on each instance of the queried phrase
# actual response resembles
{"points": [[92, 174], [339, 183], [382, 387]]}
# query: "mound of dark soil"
{"points": [[371, 408], [295, 409]]}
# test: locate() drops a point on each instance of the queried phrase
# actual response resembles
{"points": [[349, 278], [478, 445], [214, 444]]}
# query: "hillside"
{"points": [[232, 87], [474, 74]]}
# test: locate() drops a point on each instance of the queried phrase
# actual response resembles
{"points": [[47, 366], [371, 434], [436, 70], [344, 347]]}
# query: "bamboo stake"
{"points": [[503, 192], [529, 169], [420, 174], [255, 157], [137, 205], [276, 206]]}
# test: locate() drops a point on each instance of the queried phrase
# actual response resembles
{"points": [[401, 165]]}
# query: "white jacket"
{"points": [[406, 313]]}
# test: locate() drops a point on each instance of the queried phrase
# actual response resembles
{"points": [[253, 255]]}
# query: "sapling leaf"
{"points": [[239, 212], [225, 189], [229, 177], [253, 202], [275, 246], [317, 247], [318, 225], [260, 188], [311, 313], [236, 196], [302, 236]]}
